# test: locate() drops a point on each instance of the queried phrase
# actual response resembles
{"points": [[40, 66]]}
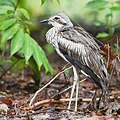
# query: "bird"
{"points": [[77, 47]]}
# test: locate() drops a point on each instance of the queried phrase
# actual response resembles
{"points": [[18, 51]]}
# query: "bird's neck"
{"points": [[52, 34]]}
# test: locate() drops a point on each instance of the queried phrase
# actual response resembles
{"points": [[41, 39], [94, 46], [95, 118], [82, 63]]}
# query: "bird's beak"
{"points": [[44, 21]]}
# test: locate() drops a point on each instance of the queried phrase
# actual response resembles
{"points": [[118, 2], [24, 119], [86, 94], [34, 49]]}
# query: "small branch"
{"points": [[51, 101], [34, 106], [117, 48], [9, 68], [35, 95], [115, 92], [65, 90], [108, 58]]}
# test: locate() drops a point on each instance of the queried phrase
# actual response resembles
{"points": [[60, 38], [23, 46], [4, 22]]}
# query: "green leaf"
{"points": [[102, 35], [19, 64], [25, 13], [5, 61], [117, 24], [3, 16], [17, 42], [111, 31], [58, 2], [108, 15], [115, 8], [49, 48], [7, 23], [27, 47], [28, 22], [96, 4], [37, 55], [10, 11], [7, 2], [98, 22], [9, 33], [46, 64], [40, 57], [34, 66], [118, 2], [42, 2], [14, 2]]}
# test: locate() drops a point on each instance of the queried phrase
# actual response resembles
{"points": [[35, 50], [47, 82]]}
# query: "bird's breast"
{"points": [[52, 36]]}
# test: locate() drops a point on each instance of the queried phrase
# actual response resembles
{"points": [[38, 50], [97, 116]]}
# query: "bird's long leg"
{"points": [[73, 88], [105, 97], [76, 99]]}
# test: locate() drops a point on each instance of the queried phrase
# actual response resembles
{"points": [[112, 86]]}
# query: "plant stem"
{"points": [[9, 68], [16, 6], [110, 22]]}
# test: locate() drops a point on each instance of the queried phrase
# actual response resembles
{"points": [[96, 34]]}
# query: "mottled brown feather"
{"points": [[77, 36]]}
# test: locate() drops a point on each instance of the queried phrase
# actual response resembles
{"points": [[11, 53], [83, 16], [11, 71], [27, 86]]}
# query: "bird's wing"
{"points": [[82, 51], [78, 34]]}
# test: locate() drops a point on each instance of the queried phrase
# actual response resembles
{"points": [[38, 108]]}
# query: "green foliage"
{"points": [[27, 48], [17, 42], [43, 1], [7, 23], [99, 6], [7, 2], [49, 48], [9, 33], [25, 13], [14, 22], [102, 35]]}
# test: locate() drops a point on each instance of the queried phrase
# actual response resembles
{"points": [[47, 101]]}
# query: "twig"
{"points": [[115, 92], [67, 89], [9, 68], [108, 58], [35, 95], [40, 103], [117, 48], [34, 106]]}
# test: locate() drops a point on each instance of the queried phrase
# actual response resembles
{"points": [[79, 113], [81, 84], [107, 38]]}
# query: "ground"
{"points": [[18, 89]]}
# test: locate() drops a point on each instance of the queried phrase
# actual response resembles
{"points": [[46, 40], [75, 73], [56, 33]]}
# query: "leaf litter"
{"points": [[51, 103]]}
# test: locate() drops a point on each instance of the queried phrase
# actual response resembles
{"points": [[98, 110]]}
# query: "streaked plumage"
{"points": [[78, 47]]}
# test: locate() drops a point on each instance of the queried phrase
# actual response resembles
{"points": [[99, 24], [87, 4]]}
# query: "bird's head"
{"points": [[58, 19]]}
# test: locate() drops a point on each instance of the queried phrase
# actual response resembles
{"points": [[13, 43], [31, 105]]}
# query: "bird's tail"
{"points": [[94, 78], [104, 70], [87, 70]]}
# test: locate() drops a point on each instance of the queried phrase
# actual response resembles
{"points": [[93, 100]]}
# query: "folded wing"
{"points": [[80, 49]]}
